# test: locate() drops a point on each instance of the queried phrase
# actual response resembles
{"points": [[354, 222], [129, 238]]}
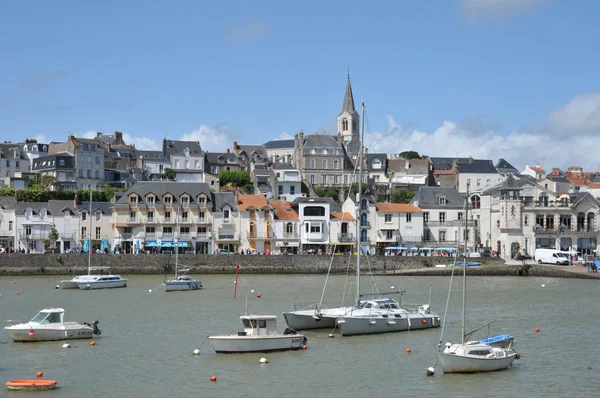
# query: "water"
{"points": [[147, 340]]}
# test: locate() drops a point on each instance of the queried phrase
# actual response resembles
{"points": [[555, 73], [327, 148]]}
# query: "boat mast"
{"points": [[464, 303], [176, 238], [359, 205], [90, 246]]}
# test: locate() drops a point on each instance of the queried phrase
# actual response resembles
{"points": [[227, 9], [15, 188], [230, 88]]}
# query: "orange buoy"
{"points": [[92, 342], [424, 321], [213, 378], [408, 350], [259, 295], [518, 356], [304, 347], [18, 293], [40, 374], [31, 385], [537, 330], [46, 282]]}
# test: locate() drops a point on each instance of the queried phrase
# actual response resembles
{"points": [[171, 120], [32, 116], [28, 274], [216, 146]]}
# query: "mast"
{"points": [[176, 238], [464, 303], [90, 247], [359, 205]]}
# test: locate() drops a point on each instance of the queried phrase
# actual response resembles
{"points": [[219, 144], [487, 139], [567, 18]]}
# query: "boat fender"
{"points": [[289, 331], [518, 356]]}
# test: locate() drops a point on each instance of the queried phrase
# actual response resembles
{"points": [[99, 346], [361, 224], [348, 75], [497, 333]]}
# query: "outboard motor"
{"points": [[94, 326], [289, 331]]}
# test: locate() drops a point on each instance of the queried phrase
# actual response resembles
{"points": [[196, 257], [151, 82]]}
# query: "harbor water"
{"points": [[148, 338]]}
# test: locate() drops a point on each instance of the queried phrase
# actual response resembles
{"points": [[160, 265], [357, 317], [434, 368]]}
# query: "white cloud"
{"points": [[285, 136], [479, 9], [41, 139], [216, 139], [579, 122], [581, 115], [143, 143]]}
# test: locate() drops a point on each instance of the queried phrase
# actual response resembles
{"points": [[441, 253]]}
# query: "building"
{"points": [[61, 167], [398, 224], [95, 222], [314, 215], [443, 218], [288, 183], [154, 164], [280, 151], [14, 166], [218, 161], [226, 226], [34, 150], [342, 231], [8, 206], [286, 227], [89, 160], [256, 223], [534, 171], [186, 159]]}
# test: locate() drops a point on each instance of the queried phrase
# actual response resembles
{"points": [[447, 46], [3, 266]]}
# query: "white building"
{"points": [[534, 171], [8, 207], [286, 227], [398, 224], [314, 214], [288, 182]]}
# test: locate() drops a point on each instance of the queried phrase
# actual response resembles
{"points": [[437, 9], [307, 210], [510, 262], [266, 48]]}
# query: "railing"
{"points": [[167, 236], [547, 204], [34, 235], [260, 235], [150, 220], [127, 236], [203, 221], [64, 235], [226, 236], [453, 223], [132, 220], [203, 237], [202, 205], [365, 224], [150, 235], [184, 234], [185, 220], [227, 220], [6, 232], [169, 220], [345, 237], [554, 231], [290, 235]]}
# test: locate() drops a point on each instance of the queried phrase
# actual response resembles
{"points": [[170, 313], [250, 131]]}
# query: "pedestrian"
{"points": [[384, 267]]}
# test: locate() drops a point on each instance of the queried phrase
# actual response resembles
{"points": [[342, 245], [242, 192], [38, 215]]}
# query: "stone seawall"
{"points": [[76, 264]]}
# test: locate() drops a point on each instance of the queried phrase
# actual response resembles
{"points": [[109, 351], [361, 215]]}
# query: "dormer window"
{"points": [[186, 152], [202, 201], [168, 200], [83, 216], [313, 151], [376, 164], [185, 201], [442, 200], [150, 201], [133, 200]]}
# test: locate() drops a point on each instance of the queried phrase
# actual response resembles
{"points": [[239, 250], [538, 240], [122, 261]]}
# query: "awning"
{"points": [[172, 244]]}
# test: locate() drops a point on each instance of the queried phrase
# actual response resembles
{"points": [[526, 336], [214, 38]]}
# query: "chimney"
{"points": [[235, 146], [407, 164], [470, 160], [118, 136], [227, 150], [555, 171], [537, 165]]}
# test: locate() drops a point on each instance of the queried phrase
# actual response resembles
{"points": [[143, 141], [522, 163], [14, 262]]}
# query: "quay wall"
{"points": [[128, 264]]}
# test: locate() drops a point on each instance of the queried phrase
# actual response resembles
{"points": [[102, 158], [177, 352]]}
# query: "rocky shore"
{"points": [[131, 264]]}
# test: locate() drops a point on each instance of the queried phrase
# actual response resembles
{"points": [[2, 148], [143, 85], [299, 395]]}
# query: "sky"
{"points": [[512, 79]]}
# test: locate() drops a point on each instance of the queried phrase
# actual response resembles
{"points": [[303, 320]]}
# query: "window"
{"points": [[526, 220], [150, 201], [460, 215], [8, 163], [389, 234], [226, 214], [324, 179], [442, 236], [292, 190], [184, 231], [201, 217], [345, 125], [167, 216], [426, 216], [280, 190], [315, 228], [89, 174], [168, 201], [150, 230], [312, 178], [442, 200], [289, 228], [184, 216], [61, 162], [97, 173], [98, 215], [167, 230], [83, 232], [83, 216], [478, 182], [335, 164], [185, 201], [475, 202], [197, 164], [89, 160], [10, 225], [314, 211], [97, 159], [133, 200], [80, 173], [97, 232], [442, 217], [186, 164], [150, 216], [469, 181], [202, 201], [387, 218], [201, 230], [16, 163], [312, 163], [68, 213], [408, 217], [345, 179], [324, 163], [79, 159], [132, 215], [336, 179]]}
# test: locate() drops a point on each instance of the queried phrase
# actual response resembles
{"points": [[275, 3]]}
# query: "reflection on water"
{"points": [[148, 338]]}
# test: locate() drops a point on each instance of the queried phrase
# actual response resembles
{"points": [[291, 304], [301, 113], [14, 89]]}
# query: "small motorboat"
{"points": [[259, 335], [49, 325], [93, 272], [31, 385], [102, 282]]}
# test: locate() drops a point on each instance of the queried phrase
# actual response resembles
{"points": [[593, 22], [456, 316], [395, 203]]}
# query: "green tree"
{"points": [[7, 192], [402, 196], [48, 181], [170, 174], [354, 188], [234, 178], [409, 155], [327, 192], [53, 236]]}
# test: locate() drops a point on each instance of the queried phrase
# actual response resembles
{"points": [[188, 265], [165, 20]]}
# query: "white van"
{"points": [[550, 256]]}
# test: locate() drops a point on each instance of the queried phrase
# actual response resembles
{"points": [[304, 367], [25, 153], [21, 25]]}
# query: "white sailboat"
{"points": [[94, 273], [180, 282], [477, 355]]}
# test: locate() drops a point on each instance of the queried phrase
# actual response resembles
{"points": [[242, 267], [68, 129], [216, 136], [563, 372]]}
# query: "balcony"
{"points": [[132, 220], [204, 237], [6, 233], [128, 235], [184, 235], [150, 220], [259, 235], [185, 220], [167, 236], [346, 238], [227, 236], [579, 230], [150, 236], [169, 221], [202, 205], [315, 237], [65, 235], [34, 235], [289, 236], [150, 204], [453, 223], [203, 221], [228, 220]]}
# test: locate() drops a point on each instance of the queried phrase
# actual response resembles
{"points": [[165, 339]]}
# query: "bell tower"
{"points": [[348, 119]]}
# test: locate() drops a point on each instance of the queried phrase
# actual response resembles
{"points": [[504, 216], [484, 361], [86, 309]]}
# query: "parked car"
{"points": [[223, 251]]}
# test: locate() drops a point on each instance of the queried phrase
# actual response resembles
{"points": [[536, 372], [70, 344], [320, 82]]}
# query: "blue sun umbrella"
{"points": [[137, 245], [104, 244], [86, 245]]}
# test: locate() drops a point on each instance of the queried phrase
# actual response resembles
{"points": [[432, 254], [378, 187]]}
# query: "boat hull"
{"points": [[172, 286], [21, 333], [31, 385], [70, 284], [246, 344], [311, 319], [460, 364], [359, 325], [89, 285]]}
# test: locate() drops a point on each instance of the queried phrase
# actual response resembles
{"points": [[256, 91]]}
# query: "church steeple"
{"points": [[348, 118], [348, 99]]}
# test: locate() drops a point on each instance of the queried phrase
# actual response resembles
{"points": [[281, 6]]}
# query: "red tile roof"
{"points": [[443, 172], [255, 201], [338, 215], [283, 210], [397, 208], [537, 169]]}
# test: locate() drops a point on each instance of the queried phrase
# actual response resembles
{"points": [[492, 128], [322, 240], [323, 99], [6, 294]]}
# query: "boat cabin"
{"points": [[49, 315], [259, 325], [384, 304]]}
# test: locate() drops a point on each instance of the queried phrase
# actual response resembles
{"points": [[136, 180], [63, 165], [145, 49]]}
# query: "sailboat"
{"points": [[94, 273], [472, 356], [183, 281], [368, 316]]}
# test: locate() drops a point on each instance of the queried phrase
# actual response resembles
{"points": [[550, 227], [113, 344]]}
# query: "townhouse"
{"points": [[398, 224], [286, 227], [89, 160]]}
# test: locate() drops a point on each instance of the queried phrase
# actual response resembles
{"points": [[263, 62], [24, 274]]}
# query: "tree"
{"points": [[354, 188], [402, 196], [53, 236], [48, 181], [170, 174], [327, 192], [409, 155], [234, 178]]}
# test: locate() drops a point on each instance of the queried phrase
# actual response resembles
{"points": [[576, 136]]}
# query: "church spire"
{"points": [[348, 98]]}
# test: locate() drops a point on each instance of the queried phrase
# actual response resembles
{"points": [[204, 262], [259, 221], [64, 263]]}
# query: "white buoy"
{"points": [[263, 360], [252, 291], [149, 290], [58, 287], [66, 345], [543, 285], [430, 371], [196, 352], [331, 335]]}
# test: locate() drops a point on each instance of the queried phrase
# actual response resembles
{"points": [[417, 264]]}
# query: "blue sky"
{"points": [[483, 78]]}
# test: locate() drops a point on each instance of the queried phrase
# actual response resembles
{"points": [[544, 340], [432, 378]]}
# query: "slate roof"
{"points": [[8, 202], [7, 151], [69, 160], [504, 167], [104, 207], [370, 158], [283, 166], [250, 149], [477, 166], [427, 197], [445, 163], [509, 182], [173, 147], [333, 205], [54, 207], [215, 158], [319, 142], [353, 146], [160, 188], [221, 199], [348, 105], [279, 144]]}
